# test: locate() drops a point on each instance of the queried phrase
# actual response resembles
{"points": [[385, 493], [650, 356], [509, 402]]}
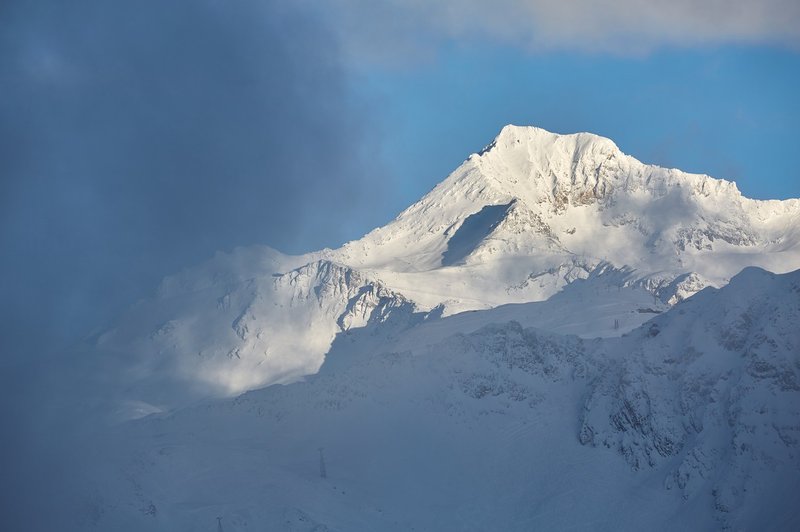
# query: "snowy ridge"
{"points": [[519, 222], [585, 196], [690, 421], [234, 333]]}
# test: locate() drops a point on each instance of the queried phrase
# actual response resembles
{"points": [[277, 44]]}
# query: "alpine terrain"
{"points": [[556, 337], [534, 215]]}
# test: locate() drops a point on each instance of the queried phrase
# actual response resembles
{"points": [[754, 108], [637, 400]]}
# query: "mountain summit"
{"points": [[537, 166], [538, 343], [549, 221], [579, 194]]}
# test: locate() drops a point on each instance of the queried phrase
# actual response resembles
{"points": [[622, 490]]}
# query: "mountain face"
{"points": [[533, 192], [556, 337], [223, 334], [524, 220], [690, 421]]}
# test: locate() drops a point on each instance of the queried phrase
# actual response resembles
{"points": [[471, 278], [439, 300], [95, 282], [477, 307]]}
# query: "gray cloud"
{"points": [[137, 138], [407, 31]]}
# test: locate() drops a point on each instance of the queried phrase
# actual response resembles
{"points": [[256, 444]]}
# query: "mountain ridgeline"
{"points": [[556, 337], [517, 223]]}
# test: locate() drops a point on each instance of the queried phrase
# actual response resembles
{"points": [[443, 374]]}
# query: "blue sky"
{"points": [[728, 111]]}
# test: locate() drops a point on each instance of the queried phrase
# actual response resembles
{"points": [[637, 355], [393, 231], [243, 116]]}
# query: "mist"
{"points": [[136, 139], [140, 138]]}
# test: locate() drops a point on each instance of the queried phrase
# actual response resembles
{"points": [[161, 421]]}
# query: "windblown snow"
{"points": [[556, 337]]}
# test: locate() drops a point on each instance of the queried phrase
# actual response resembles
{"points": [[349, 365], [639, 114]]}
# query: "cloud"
{"points": [[138, 138], [407, 31]]}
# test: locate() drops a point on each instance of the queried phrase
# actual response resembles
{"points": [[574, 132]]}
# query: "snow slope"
{"points": [[534, 200], [689, 422], [519, 222], [221, 333]]}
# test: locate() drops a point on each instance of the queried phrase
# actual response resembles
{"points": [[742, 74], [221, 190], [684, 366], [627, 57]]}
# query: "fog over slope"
{"points": [[137, 138]]}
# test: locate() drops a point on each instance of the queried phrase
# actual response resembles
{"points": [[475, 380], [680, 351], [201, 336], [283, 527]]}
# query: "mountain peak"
{"points": [[538, 139], [536, 165], [532, 191], [532, 215]]}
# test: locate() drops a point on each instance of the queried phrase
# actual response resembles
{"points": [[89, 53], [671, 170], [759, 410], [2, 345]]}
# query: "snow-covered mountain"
{"points": [[518, 223], [532, 192], [556, 337], [689, 422], [533, 199]]}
